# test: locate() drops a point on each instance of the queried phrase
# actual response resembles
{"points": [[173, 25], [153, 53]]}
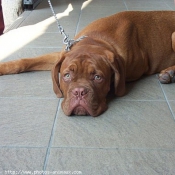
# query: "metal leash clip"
{"points": [[68, 42]]}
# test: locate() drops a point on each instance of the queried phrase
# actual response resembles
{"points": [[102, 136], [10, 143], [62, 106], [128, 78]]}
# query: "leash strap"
{"points": [[68, 42]]}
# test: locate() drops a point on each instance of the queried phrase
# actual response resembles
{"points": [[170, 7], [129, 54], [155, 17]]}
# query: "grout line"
{"points": [[168, 5], [167, 101], [16, 24], [22, 147], [125, 5], [141, 100], [86, 148], [26, 17], [113, 148], [31, 98], [54, 98], [51, 137]]}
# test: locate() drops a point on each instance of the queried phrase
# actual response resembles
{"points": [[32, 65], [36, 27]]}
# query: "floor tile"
{"points": [[146, 88], [112, 162], [48, 40], [94, 5], [31, 37], [29, 40], [61, 4], [67, 13], [172, 105], [27, 53], [26, 122], [67, 18], [97, 13], [134, 136], [126, 124], [154, 5], [133, 8], [169, 90], [21, 160], [31, 84], [170, 4], [18, 21]]}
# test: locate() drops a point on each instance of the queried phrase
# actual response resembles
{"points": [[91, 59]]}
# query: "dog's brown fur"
{"points": [[127, 45]]}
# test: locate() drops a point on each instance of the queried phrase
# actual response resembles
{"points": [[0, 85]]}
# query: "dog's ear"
{"points": [[173, 41], [117, 65], [55, 76]]}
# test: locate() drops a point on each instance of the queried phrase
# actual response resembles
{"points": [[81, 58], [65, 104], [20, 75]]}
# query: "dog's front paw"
{"points": [[167, 77]]}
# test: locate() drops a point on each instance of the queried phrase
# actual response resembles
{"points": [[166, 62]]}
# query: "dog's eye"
{"points": [[98, 78], [67, 77]]}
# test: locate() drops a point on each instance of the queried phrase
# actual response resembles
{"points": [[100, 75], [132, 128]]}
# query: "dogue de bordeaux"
{"points": [[117, 49]]}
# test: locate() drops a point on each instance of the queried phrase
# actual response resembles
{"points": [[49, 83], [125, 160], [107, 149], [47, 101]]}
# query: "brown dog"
{"points": [[124, 46]]}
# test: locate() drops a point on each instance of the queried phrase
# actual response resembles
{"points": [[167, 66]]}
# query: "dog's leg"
{"points": [[44, 62], [173, 41], [167, 76]]}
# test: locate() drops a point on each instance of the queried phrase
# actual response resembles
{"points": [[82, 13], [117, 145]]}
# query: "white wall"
{"points": [[11, 10]]}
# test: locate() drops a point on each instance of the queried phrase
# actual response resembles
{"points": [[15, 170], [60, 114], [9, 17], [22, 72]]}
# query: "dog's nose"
{"points": [[79, 92]]}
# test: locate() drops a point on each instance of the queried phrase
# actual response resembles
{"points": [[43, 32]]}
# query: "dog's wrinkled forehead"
{"points": [[83, 64]]}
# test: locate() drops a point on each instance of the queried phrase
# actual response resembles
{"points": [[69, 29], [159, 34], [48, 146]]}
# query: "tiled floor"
{"points": [[135, 136]]}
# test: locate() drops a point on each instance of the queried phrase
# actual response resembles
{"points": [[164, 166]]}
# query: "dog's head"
{"points": [[85, 78]]}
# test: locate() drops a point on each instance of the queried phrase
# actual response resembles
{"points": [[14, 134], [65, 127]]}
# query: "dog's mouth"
{"points": [[79, 110], [78, 107], [83, 104]]}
